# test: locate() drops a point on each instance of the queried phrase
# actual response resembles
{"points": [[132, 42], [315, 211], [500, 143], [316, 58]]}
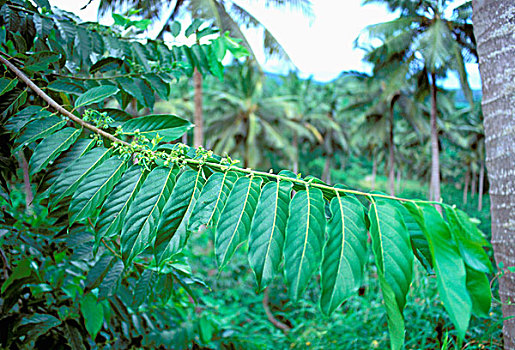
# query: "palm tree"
{"points": [[246, 119], [431, 44], [493, 27], [226, 15]]}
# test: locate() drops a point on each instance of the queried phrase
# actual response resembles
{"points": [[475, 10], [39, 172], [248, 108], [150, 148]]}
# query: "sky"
{"points": [[321, 47]]}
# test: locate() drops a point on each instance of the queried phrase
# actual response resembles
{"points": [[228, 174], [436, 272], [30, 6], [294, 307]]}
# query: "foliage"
{"points": [[123, 199]]}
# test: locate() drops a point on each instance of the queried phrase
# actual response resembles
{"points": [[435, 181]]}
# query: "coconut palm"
{"points": [[431, 43], [226, 15], [247, 119]]}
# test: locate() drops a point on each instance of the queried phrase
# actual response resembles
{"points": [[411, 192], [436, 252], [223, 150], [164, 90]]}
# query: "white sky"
{"points": [[322, 47]]}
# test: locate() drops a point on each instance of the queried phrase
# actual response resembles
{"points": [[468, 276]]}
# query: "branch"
{"points": [[51, 102], [284, 327], [222, 167]]}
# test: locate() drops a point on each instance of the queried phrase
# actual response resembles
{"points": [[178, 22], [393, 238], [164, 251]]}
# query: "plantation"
{"points": [[144, 205]]}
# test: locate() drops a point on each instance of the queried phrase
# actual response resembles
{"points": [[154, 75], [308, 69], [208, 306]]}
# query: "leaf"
{"points": [[213, 197], [144, 212], [69, 180], [138, 89], [171, 232], [115, 208], [304, 239], [7, 85], [419, 243], [267, 231], [162, 88], [106, 64], [469, 240], [96, 95], [175, 28], [73, 336], [50, 148], [144, 286], [394, 261], [98, 272], [110, 282], [35, 325], [38, 129], [93, 314], [24, 116], [448, 265], [478, 287], [234, 225], [21, 271], [344, 254], [167, 126], [65, 86], [96, 186]]}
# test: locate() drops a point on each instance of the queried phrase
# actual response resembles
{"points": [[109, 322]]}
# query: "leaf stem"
{"points": [[51, 102]]}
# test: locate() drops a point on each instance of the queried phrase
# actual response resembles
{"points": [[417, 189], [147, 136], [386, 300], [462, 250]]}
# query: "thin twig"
{"points": [[6, 263]]}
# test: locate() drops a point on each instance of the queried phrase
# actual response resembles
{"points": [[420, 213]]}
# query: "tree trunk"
{"points": [[466, 185], [481, 184], [435, 157], [26, 182], [473, 183], [374, 172], [398, 180], [326, 175], [296, 156], [198, 131], [391, 158], [494, 25]]}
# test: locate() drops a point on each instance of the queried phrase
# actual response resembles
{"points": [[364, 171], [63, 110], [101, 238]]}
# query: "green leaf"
{"points": [[144, 286], [167, 126], [35, 325], [138, 89], [478, 287], [234, 225], [50, 148], [106, 64], [418, 240], [73, 336], [96, 95], [304, 239], [213, 197], [175, 28], [96, 186], [98, 272], [38, 129], [93, 314], [469, 240], [193, 27], [111, 280], [21, 271], [115, 208], [67, 87], [24, 116], [69, 180], [345, 252], [448, 265], [162, 88], [144, 212], [394, 261], [7, 85], [266, 239], [171, 233]]}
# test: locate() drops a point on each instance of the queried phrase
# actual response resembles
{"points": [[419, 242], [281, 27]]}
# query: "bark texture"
{"points": [[494, 28], [435, 152], [198, 131], [391, 157]]}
